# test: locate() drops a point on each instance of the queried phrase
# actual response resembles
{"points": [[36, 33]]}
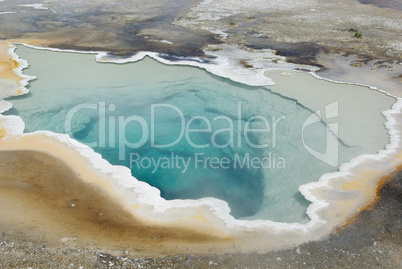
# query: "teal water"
{"points": [[114, 116]]}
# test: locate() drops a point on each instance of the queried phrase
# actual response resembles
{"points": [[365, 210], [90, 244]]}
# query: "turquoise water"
{"points": [[257, 173]]}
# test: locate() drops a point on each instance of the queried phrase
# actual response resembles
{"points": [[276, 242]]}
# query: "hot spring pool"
{"points": [[189, 133]]}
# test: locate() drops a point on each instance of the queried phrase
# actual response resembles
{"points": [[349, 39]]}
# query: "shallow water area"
{"points": [[134, 114]]}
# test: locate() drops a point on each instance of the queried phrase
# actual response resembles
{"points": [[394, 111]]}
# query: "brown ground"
{"points": [[45, 202]]}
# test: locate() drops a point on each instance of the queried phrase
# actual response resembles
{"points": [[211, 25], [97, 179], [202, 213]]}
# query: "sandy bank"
{"points": [[45, 201], [9, 80]]}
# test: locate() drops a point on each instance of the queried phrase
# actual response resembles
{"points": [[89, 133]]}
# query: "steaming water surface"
{"points": [[121, 109]]}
